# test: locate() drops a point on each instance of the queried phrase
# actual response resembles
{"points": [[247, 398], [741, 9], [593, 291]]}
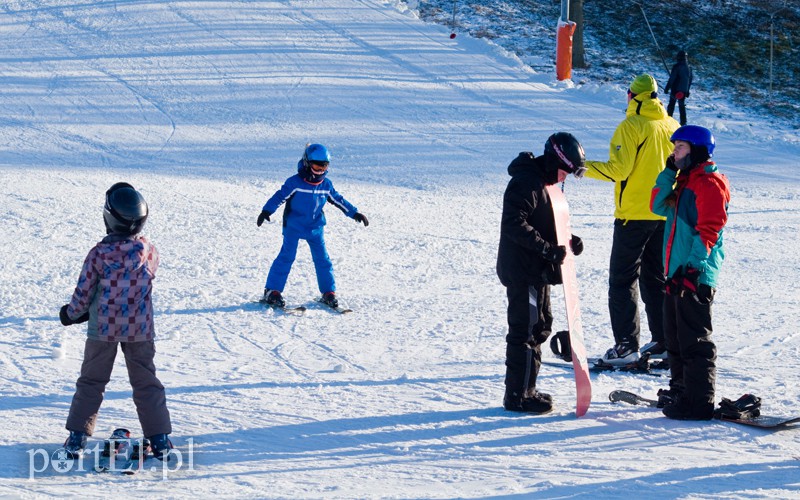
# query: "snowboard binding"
{"points": [[560, 345], [642, 365], [746, 407]]}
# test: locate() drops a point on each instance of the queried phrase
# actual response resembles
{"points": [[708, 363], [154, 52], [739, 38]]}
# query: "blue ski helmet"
{"points": [[696, 136], [316, 153]]}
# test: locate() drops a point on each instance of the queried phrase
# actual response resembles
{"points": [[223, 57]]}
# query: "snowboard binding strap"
{"points": [[560, 345], [746, 407]]}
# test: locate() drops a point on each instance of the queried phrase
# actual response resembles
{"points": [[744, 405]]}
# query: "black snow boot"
{"points": [[273, 298], [329, 299], [684, 409], [539, 404]]}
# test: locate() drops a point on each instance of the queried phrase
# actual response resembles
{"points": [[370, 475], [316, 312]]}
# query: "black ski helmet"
{"points": [[125, 211], [563, 151]]}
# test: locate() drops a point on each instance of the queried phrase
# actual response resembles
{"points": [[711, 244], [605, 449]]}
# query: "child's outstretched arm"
{"points": [[342, 204]]}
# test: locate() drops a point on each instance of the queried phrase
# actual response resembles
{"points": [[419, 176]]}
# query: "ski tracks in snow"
{"points": [[86, 33], [288, 340]]}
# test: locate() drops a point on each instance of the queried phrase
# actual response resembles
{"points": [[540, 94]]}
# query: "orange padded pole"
{"points": [[564, 49]]}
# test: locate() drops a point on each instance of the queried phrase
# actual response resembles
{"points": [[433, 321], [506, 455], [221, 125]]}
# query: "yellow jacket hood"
{"points": [[637, 153]]}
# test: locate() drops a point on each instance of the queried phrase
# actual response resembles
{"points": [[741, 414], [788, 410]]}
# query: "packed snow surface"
{"points": [[206, 107]]}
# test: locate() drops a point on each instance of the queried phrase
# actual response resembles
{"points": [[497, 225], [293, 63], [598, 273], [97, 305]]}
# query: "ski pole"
{"points": [[453, 22], [654, 37]]}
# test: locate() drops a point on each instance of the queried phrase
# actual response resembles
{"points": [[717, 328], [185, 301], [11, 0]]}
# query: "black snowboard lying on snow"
{"points": [[752, 418]]}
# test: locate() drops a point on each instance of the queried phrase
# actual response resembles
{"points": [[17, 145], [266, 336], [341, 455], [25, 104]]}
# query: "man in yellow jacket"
{"points": [[638, 151]]}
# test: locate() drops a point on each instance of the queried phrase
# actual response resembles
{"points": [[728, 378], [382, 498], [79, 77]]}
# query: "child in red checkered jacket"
{"points": [[114, 296]]}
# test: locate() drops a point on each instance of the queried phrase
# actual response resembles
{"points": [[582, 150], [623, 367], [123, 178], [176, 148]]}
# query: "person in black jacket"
{"points": [[528, 261], [680, 81]]}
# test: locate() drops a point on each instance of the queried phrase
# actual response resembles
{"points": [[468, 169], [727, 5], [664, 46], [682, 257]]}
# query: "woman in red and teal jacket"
{"points": [[694, 197]]}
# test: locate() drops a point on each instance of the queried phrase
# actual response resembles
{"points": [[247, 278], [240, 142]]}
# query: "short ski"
{"points": [[296, 310], [122, 454], [762, 421], [135, 462], [114, 445], [338, 309]]}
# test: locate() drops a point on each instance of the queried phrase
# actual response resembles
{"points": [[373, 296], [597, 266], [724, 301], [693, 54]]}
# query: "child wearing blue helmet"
{"points": [[305, 195], [693, 195]]}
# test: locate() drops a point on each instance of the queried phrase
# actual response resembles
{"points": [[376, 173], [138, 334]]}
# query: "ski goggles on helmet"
{"points": [[567, 165], [318, 167]]}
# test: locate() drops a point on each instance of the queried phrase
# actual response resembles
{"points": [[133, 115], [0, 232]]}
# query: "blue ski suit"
{"points": [[304, 219]]}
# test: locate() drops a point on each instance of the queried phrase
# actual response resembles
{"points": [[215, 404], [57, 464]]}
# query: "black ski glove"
{"points": [[262, 216], [576, 244], [704, 294], [700, 292], [66, 320], [555, 254], [675, 283], [671, 163], [690, 277], [359, 217]]}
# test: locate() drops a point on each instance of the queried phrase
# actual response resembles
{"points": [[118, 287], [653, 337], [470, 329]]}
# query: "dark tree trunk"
{"points": [[576, 15]]}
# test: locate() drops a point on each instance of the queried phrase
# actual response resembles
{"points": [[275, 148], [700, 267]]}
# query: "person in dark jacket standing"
{"points": [[678, 85], [694, 197], [528, 261]]}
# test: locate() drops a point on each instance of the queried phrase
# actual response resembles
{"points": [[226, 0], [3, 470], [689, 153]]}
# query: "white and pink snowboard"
{"points": [[580, 365]]}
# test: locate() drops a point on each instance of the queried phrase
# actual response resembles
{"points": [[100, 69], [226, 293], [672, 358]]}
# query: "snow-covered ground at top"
{"points": [[206, 107]]}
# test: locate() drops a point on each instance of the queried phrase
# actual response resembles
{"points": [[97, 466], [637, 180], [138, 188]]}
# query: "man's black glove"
{"points": [[66, 320], [576, 244], [262, 216], [555, 254], [359, 217]]}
